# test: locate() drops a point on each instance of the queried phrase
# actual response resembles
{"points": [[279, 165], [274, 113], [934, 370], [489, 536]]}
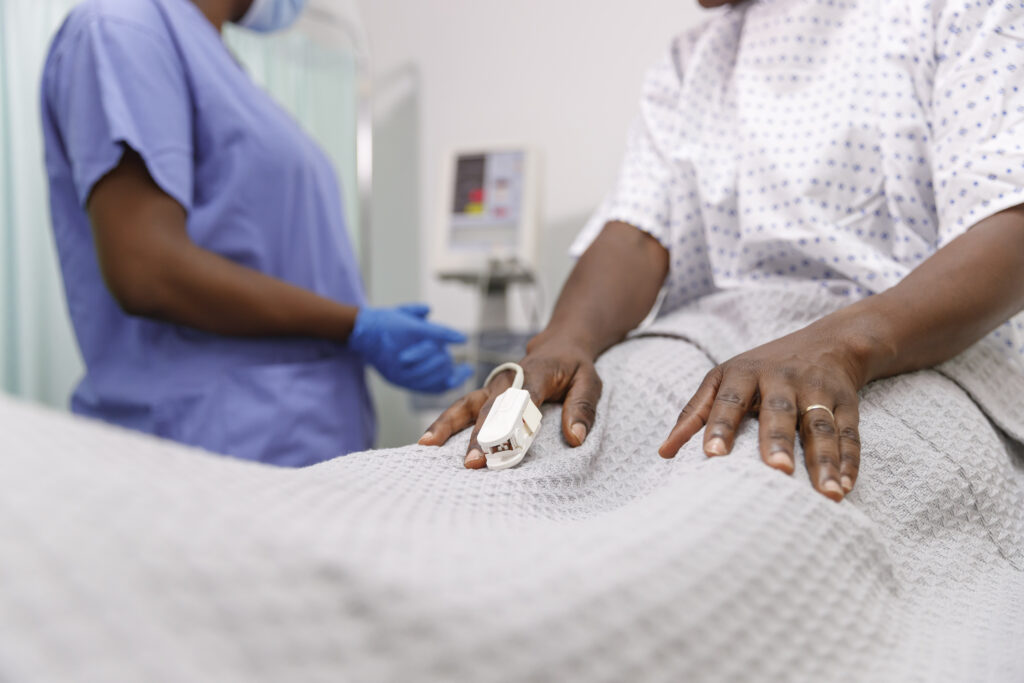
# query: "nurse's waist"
{"points": [[185, 364], [187, 346]]}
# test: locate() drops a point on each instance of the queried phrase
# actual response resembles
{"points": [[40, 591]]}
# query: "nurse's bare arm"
{"points": [[956, 297], [153, 269], [609, 292]]}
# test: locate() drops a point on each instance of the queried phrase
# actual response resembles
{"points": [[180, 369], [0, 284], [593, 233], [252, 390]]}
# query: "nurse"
{"points": [[205, 257]]}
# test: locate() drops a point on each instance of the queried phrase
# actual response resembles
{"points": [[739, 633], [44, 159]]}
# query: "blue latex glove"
{"points": [[407, 349]]}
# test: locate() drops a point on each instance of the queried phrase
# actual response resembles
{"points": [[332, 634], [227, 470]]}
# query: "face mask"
{"points": [[272, 15]]}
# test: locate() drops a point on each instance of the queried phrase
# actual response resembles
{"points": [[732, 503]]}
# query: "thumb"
{"points": [[579, 410], [418, 310], [429, 330]]}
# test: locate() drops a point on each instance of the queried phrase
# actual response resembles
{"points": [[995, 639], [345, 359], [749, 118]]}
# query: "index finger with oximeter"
{"points": [[511, 423]]}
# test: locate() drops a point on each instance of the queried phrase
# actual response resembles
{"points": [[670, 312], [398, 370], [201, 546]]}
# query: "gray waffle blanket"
{"points": [[125, 558]]}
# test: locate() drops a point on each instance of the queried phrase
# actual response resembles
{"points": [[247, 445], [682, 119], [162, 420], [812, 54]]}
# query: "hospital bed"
{"points": [[127, 558]]}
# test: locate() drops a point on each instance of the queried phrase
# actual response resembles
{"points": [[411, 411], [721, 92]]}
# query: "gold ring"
{"points": [[817, 406]]}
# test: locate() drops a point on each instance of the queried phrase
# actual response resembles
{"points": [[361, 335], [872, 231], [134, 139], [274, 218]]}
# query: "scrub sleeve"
{"points": [[123, 86]]}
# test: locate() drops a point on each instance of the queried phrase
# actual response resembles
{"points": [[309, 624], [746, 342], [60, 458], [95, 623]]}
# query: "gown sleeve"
{"points": [[641, 196], [977, 112], [112, 84]]}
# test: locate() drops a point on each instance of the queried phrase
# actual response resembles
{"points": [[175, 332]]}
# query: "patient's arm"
{"points": [[611, 289], [952, 300]]}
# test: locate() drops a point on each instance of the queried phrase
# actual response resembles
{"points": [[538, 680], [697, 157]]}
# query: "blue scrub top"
{"points": [[155, 76]]}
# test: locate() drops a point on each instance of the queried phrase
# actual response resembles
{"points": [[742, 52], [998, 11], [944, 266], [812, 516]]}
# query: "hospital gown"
{"points": [[837, 142]]}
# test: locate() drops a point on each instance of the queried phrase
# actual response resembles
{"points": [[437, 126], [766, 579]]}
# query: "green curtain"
{"points": [[39, 359], [38, 356]]}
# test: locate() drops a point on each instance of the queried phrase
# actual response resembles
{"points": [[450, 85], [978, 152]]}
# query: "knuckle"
{"points": [[851, 461], [817, 381], [737, 365], [848, 400], [729, 398], [688, 410], [713, 378], [585, 406], [531, 364], [459, 404], [538, 367], [850, 435], [789, 373], [821, 426], [776, 435], [826, 459], [459, 410], [721, 428], [477, 398], [779, 404]]}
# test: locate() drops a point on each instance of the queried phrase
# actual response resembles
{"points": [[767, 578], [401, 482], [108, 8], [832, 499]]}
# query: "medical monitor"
{"points": [[489, 210]]}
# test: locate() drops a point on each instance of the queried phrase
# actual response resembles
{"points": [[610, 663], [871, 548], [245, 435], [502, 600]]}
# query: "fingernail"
{"points": [[847, 483], [715, 447], [579, 430], [832, 486], [780, 460], [426, 437], [475, 459]]}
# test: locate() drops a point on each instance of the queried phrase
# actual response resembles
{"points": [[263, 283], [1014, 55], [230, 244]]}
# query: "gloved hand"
{"points": [[407, 349]]}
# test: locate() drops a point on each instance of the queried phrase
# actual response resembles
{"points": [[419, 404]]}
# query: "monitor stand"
{"points": [[493, 284], [494, 342]]}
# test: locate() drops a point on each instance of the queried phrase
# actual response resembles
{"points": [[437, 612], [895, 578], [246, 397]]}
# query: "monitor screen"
{"points": [[487, 203]]}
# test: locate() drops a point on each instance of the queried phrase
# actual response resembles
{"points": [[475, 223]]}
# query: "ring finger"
{"points": [[821, 444]]}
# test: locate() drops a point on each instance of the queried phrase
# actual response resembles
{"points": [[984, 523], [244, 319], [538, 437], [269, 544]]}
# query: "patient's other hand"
{"points": [[806, 382], [553, 371]]}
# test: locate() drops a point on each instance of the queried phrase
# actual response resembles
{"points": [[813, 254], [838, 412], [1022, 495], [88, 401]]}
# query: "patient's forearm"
{"points": [[610, 290], [956, 297]]}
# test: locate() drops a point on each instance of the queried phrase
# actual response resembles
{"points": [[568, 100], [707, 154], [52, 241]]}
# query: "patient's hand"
{"points": [[823, 364], [553, 371]]}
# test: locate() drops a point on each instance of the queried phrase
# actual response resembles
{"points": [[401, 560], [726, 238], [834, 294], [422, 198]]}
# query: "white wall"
{"points": [[560, 75]]}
